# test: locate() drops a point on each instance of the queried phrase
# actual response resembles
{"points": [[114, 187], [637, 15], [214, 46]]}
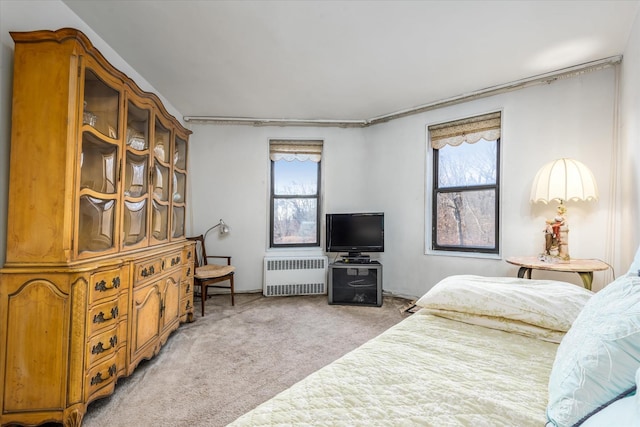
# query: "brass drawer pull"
{"points": [[175, 261], [99, 348], [98, 378], [99, 318], [101, 286]]}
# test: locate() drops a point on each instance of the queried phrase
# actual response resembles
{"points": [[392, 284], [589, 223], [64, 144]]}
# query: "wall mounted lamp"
{"points": [[224, 229]]}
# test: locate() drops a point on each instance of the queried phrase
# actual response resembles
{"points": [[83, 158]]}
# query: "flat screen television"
{"points": [[355, 233]]}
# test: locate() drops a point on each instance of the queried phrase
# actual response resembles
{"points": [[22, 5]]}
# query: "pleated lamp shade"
{"points": [[563, 180]]}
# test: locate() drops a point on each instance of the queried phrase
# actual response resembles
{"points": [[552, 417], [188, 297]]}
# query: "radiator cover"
{"points": [[284, 276]]}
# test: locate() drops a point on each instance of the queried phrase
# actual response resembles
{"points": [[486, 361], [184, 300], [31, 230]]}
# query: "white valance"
{"points": [[468, 130], [295, 150]]}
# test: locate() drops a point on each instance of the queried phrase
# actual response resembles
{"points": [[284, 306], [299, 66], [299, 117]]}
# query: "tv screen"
{"points": [[355, 232]]}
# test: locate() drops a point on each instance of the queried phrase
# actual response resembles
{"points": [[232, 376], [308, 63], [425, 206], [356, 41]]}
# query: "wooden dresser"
{"points": [[98, 271]]}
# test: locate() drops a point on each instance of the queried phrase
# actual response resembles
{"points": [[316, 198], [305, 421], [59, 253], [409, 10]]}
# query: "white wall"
{"points": [[628, 187], [383, 168]]}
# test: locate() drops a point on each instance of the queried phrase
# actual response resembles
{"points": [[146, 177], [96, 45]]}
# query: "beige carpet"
{"points": [[224, 364]]}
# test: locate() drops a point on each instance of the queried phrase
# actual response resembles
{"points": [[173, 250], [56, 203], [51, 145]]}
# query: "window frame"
{"points": [[462, 189], [432, 192], [273, 197]]}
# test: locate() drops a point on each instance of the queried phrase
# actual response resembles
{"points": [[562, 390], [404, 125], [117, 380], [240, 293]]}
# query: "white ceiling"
{"points": [[347, 60]]}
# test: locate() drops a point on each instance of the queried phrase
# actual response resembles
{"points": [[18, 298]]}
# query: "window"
{"points": [[295, 193], [466, 175]]}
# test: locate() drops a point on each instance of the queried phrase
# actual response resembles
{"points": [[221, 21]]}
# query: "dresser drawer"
{"points": [[107, 315], [187, 271], [172, 261], [101, 379], [105, 284], [188, 253], [147, 269], [106, 343]]}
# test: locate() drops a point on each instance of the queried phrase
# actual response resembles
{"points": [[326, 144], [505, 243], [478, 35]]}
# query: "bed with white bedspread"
{"points": [[480, 352]]}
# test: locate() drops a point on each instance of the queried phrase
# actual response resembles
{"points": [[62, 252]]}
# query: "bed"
{"points": [[484, 351]]}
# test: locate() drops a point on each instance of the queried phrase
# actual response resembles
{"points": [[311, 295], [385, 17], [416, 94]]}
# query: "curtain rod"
{"points": [[546, 78]]}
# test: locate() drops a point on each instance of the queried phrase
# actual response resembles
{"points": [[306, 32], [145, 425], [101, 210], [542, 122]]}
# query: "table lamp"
{"points": [[561, 180]]}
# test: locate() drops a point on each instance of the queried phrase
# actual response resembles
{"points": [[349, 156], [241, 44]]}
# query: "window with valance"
{"points": [[466, 176], [295, 192]]}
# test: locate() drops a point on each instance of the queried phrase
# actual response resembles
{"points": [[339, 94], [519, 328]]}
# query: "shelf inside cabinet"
{"points": [[180, 154], [100, 107], [177, 222], [96, 223], [135, 222], [160, 221], [135, 177], [137, 127], [162, 143], [98, 164]]}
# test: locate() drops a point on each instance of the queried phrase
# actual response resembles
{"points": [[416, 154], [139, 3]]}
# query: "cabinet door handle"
{"points": [[99, 318], [99, 348], [97, 379]]}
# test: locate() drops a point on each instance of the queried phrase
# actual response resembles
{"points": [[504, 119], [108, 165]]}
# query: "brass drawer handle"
{"points": [[188, 307], [101, 286], [189, 272], [99, 348], [175, 261], [99, 318], [98, 378], [188, 288]]}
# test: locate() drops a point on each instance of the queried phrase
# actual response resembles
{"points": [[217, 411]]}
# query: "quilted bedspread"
{"points": [[427, 371]]}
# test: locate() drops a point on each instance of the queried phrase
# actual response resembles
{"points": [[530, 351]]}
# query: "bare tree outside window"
{"points": [[465, 197], [294, 203]]}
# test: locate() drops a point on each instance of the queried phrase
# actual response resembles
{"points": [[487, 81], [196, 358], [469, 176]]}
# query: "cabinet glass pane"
{"points": [[161, 183], [137, 127], [160, 223], [135, 222], [179, 184], [162, 143], [177, 226], [100, 105], [98, 164], [135, 178], [96, 224], [180, 154]]}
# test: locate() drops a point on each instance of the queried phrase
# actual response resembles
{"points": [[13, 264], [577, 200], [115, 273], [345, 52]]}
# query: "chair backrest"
{"points": [[201, 253]]}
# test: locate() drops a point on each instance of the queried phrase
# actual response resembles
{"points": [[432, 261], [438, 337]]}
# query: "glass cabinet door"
{"points": [[161, 182], [99, 165], [179, 188], [136, 177]]}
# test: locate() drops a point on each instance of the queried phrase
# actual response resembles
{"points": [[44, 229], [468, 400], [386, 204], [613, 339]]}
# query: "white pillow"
{"points": [[598, 358], [509, 301]]}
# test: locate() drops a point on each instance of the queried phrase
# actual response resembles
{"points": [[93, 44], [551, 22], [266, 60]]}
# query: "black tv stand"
{"points": [[355, 284]]}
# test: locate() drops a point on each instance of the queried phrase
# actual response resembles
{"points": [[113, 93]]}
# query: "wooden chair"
{"points": [[210, 275]]}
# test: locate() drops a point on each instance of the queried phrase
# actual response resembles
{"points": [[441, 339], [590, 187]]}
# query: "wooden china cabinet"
{"points": [[98, 271]]}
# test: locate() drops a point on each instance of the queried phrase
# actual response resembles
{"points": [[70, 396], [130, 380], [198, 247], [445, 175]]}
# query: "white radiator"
{"points": [[285, 276]]}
